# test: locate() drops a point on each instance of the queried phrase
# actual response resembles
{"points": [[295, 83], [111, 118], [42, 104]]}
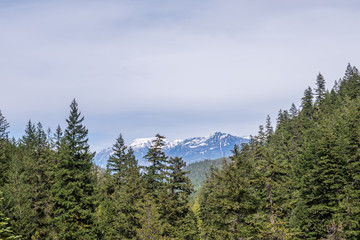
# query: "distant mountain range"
{"points": [[194, 149]]}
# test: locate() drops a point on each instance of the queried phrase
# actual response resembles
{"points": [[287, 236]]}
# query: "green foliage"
{"points": [[4, 142], [320, 89], [304, 177], [168, 184], [151, 225], [73, 190], [156, 173], [197, 171], [177, 212], [299, 180], [123, 189], [6, 232]]}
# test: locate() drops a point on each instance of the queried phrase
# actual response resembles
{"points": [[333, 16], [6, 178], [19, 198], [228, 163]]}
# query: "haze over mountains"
{"points": [[194, 149]]}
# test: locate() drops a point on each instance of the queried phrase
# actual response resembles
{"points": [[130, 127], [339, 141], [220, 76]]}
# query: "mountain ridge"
{"points": [[193, 149]]}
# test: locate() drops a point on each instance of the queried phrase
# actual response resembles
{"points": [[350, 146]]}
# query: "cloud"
{"points": [[156, 60]]}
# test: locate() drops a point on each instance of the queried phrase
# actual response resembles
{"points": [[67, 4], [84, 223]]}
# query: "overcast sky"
{"points": [[181, 68]]}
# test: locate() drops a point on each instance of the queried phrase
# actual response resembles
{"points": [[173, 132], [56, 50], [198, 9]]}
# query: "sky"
{"points": [[180, 68]]}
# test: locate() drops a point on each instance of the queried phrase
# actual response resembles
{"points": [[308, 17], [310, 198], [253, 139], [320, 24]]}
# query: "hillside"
{"points": [[300, 181], [192, 150], [197, 170]]}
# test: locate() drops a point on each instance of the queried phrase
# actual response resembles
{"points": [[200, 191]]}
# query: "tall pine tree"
{"points": [[4, 158], [156, 173], [123, 189], [73, 191]]}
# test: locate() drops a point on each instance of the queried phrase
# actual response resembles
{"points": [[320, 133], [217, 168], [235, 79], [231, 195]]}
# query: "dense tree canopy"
{"points": [[297, 180], [303, 177]]}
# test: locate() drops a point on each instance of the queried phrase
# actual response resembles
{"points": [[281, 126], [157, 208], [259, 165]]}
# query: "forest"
{"points": [[297, 180]]}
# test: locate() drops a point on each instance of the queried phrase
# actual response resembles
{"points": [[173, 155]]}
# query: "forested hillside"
{"points": [[50, 188], [197, 171], [300, 180]]}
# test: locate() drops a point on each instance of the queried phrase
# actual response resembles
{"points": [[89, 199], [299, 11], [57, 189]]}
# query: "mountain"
{"points": [[217, 145], [197, 171]]}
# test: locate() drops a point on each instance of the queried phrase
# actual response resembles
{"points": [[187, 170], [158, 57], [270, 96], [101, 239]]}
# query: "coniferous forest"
{"points": [[297, 180]]}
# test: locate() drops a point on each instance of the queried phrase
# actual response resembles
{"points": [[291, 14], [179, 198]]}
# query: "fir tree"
{"points": [[323, 185], [124, 188], [320, 89], [6, 232], [117, 162], [17, 194], [269, 129], [41, 163], [307, 104], [156, 173], [151, 224], [4, 125], [178, 214], [73, 191], [350, 83], [293, 111], [57, 138], [4, 158]]}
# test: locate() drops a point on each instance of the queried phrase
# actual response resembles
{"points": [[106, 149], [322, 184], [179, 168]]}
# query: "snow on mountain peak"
{"points": [[171, 144], [192, 149], [141, 143], [146, 143]]}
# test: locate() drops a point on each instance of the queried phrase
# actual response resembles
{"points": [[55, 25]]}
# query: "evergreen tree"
{"points": [[178, 214], [17, 194], [117, 163], [40, 173], [307, 104], [151, 224], [155, 174], [124, 188], [348, 131], [293, 111], [323, 185], [320, 89], [269, 129], [6, 232], [350, 83], [57, 138], [73, 191], [4, 158], [4, 125], [29, 186], [211, 212]]}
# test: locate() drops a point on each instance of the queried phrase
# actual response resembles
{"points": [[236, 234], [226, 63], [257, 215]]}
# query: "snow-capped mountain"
{"points": [[195, 149]]}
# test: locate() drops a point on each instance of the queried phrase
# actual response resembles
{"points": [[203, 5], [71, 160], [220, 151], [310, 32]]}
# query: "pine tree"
{"points": [[40, 172], [17, 194], [6, 232], [151, 224], [211, 212], [320, 89], [4, 142], [323, 186], [156, 173], [307, 104], [73, 191], [124, 188], [57, 138], [350, 83], [293, 111], [29, 186], [117, 163], [269, 129], [178, 214], [349, 138]]}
